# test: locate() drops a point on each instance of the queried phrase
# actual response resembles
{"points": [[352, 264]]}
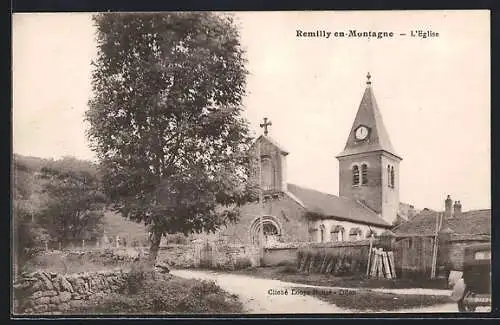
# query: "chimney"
{"points": [[457, 209], [447, 207]]}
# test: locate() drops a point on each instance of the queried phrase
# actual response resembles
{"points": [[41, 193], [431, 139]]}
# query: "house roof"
{"points": [[474, 222], [333, 206], [368, 115]]}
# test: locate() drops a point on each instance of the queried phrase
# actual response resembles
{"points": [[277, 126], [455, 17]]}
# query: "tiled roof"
{"points": [[368, 115], [333, 206], [473, 222]]}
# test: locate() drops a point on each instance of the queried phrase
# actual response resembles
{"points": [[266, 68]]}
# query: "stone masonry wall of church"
{"points": [[390, 203], [288, 213]]}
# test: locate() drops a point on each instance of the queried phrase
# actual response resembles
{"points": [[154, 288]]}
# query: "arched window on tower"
{"points": [[267, 174], [388, 176], [364, 174], [355, 175], [392, 176]]}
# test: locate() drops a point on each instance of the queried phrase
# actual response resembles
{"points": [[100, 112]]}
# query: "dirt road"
{"points": [[265, 296]]}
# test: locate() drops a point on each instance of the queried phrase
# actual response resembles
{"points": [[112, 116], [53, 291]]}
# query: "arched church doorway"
{"points": [[271, 231]]}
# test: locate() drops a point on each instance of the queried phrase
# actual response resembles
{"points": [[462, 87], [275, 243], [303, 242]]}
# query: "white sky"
{"points": [[434, 93]]}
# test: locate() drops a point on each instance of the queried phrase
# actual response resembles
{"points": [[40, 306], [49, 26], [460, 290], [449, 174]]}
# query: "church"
{"points": [[368, 200]]}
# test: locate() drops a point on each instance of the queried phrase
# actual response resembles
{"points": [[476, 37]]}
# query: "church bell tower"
{"points": [[368, 165]]}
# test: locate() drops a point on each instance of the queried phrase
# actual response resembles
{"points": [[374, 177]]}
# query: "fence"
{"points": [[337, 258], [414, 256]]}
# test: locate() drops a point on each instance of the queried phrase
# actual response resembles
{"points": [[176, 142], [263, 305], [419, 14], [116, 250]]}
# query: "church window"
{"points": [[392, 176], [364, 174], [322, 233], [337, 233], [267, 174], [355, 175], [388, 176], [355, 234]]}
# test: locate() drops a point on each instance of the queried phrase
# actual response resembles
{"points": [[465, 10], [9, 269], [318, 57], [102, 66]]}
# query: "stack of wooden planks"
{"points": [[381, 264]]}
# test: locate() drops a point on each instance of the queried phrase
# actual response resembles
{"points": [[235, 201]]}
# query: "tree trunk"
{"points": [[155, 246]]}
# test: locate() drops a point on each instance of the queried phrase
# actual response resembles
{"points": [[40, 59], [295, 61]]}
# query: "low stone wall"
{"points": [[177, 255], [231, 257], [280, 256], [52, 293], [211, 255]]}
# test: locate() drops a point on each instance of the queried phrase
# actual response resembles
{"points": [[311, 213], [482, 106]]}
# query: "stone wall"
{"points": [[179, 256], [280, 256], [53, 293], [287, 212], [207, 254]]}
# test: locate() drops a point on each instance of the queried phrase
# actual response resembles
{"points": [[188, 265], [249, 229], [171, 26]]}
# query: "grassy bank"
{"points": [[146, 292], [168, 296], [289, 274]]}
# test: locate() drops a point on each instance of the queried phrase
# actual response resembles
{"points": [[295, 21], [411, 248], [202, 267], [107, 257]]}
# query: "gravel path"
{"points": [[415, 291], [259, 296]]}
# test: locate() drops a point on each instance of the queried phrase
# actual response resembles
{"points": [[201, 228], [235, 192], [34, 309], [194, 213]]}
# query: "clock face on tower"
{"points": [[361, 132]]}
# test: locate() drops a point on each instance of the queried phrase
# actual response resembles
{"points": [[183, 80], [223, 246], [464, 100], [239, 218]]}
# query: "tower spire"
{"points": [[370, 120]]}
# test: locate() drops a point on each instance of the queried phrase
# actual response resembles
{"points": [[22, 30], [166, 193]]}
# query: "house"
{"points": [[460, 227]]}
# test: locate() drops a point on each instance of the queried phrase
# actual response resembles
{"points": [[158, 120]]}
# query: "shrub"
{"points": [[139, 272], [178, 238], [169, 295]]}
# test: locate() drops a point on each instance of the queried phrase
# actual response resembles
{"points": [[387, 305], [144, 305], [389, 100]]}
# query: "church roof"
{"points": [[474, 222], [368, 115], [334, 206], [272, 142]]}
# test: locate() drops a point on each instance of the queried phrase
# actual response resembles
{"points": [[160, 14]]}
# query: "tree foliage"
{"points": [[74, 210], [165, 119], [38, 198]]}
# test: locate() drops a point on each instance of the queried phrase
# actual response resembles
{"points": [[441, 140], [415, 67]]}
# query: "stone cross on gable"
{"points": [[265, 125]]}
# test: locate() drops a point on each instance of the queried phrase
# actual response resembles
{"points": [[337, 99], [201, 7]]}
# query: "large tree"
{"points": [[165, 120]]}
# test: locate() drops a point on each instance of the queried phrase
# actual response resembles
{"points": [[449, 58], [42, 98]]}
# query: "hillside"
{"points": [[27, 191], [114, 225]]}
